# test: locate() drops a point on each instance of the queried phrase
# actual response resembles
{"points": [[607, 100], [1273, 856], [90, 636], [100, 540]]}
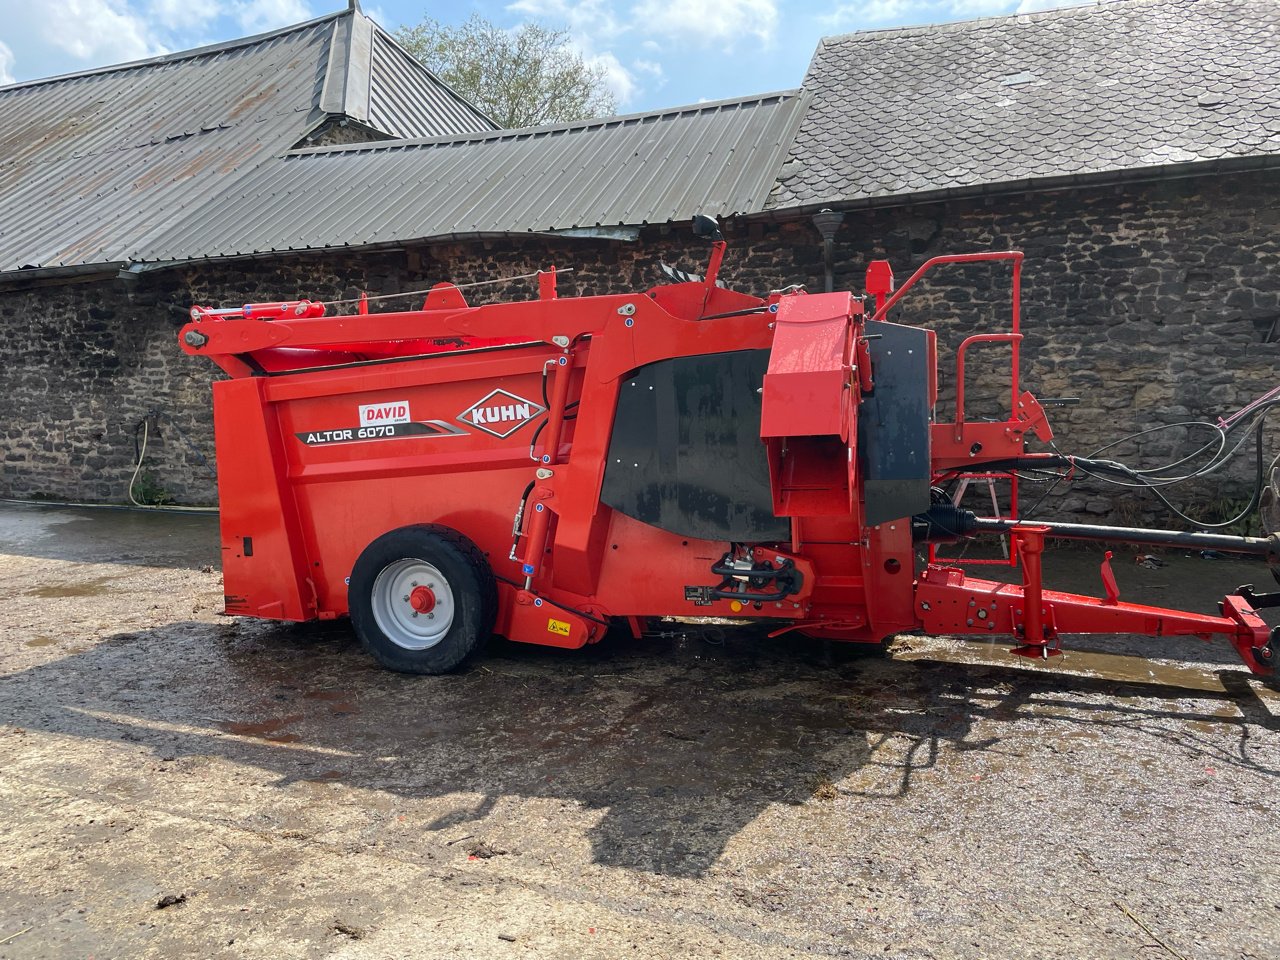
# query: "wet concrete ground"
{"points": [[666, 798]]}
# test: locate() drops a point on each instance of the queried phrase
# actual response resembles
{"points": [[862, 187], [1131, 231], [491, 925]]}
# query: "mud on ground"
{"points": [[177, 784]]}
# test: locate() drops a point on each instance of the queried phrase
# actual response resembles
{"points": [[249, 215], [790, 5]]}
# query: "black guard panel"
{"points": [[893, 424], [686, 453]]}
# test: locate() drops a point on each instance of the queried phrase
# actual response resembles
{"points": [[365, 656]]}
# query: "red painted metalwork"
{"points": [[1015, 296], [422, 599], [879, 283], [1011, 338], [334, 430], [1109, 581]]}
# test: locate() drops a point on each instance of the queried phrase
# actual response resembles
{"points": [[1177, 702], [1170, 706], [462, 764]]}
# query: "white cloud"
{"points": [[616, 77], [258, 16], [98, 31], [597, 23], [593, 28], [608, 33], [52, 37], [594, 19], [881, 11], [183, 14], [723, 22], [651, 67], [6, 64]]}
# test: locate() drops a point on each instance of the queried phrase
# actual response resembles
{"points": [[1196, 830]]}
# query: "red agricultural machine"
{"points": [[546, 468]]}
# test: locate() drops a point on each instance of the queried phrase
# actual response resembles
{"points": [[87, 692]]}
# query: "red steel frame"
{"points": [[305, 484]]}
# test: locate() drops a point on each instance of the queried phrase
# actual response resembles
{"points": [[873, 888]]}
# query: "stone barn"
{"points": [[1130, 148]]}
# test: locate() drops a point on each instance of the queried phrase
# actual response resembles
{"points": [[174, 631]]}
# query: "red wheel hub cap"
{"points": [[422, 599]]}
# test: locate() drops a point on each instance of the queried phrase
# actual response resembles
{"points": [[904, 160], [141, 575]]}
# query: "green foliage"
{"points": [[1222, 509], [520, 78], [147, 490]]}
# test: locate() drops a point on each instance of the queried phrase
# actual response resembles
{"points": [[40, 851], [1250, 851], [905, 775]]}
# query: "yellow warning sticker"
{"points": [[558, 626]]}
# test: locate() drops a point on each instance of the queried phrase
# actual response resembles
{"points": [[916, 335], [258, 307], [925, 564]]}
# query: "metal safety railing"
{"points": [[1013, 338]]}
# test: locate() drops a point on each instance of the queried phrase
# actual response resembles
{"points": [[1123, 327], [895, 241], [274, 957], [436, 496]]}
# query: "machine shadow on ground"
{"points": [[677, 742]]}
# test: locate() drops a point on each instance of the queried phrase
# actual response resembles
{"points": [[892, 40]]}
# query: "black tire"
{"points": [[460, 585]]}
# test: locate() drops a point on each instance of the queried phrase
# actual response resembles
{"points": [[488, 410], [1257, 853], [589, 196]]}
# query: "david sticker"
{"points": [[381, 421], [501, 413], [372, 414]]}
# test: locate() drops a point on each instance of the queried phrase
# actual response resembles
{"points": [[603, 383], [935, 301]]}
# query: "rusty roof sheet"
{"points": [[1111, 88], [715, 158], [95, 164]]}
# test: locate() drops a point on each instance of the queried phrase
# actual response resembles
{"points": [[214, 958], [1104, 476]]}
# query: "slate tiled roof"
{"points": [[715, 158], [1124, 87], [93, 164], [192, 155]]}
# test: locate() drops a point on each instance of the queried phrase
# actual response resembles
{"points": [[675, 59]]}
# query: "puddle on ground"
{"points": [[109, 535], [1106, 666], [264, 729], [41, 642], [1111, 666], [84, 588]]}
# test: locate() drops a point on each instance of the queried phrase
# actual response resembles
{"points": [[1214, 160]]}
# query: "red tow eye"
{"points": [[422, 599]]}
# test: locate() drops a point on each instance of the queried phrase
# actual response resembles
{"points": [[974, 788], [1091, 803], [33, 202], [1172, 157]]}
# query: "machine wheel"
{"points": [[422, 599]]}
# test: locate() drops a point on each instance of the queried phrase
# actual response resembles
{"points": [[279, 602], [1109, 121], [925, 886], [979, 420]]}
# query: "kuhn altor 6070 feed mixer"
{"points": [[542, 469]]}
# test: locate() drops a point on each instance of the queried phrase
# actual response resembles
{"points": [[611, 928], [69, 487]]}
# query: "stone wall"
{"points": [[84, 366], [1154, 304]]}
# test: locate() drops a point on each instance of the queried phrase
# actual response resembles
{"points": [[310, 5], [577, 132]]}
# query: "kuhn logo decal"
{"points": [[395, 411], [501, 413]]}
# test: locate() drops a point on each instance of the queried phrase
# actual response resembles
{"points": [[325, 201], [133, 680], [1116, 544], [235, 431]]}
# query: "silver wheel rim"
{"points": [[393, 609]]}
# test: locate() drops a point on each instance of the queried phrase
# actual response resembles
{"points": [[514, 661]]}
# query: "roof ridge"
{"points": [[955, 26], [177, 55], [344, 91], [519, 132]]}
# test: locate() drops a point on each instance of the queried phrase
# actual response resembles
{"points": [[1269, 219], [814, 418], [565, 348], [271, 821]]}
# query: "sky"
{"points": [[655, 53]]}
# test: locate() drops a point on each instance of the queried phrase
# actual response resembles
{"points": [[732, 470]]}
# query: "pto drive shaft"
{"points": [[1267, 548]]}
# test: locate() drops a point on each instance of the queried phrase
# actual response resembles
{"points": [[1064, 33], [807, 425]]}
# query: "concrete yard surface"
{"points": [[177, 784]]}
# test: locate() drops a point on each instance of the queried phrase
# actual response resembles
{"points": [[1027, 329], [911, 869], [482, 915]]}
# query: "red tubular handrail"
{"points": [[1016, 303], [1011, 338]]}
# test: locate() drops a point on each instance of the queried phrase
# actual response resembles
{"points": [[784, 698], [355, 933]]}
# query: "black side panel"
{"points": [[686, 453], [893, 425]]}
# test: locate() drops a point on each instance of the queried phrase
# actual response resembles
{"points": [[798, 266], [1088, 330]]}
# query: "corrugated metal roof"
{"points": [[372, 79], [94, 164], [715, 158], [1085, 92], [401, 104]]}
